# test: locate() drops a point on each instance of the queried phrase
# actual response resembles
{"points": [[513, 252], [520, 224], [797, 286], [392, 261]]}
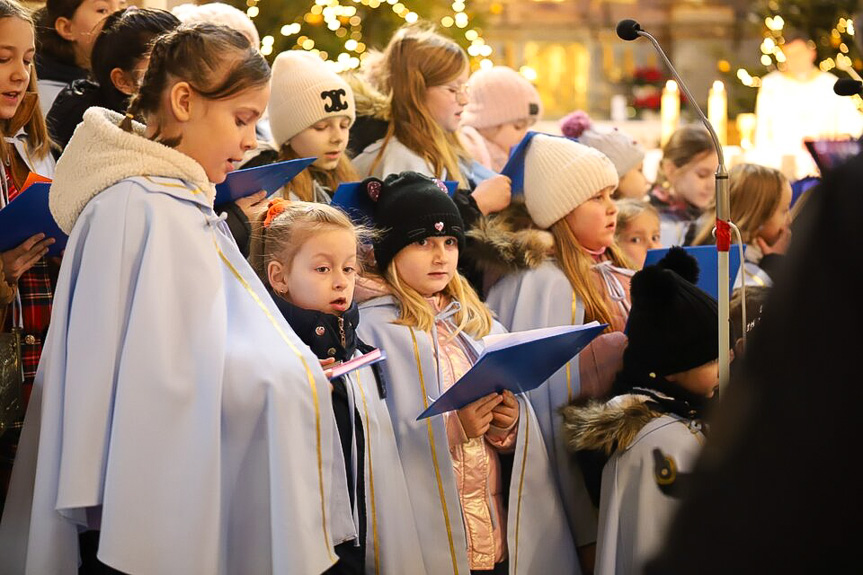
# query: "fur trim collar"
{"points": [[610, 426], [508, 242], [100, 154], [368, 99]]}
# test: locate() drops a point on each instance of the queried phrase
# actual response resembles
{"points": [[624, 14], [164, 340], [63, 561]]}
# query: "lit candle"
{"points": [[717, 111], [746, 128], [669, 111]]}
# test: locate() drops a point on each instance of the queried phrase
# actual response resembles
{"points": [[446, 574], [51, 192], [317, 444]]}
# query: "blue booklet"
{"points": [[359, 206], [708, 263], [248, 181], [519, 361], [27, 215]]}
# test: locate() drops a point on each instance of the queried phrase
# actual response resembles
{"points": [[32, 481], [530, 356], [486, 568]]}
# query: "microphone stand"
{"points": [[723, 227]]}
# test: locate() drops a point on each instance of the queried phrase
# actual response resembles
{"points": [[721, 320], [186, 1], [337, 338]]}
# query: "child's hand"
{"points": [[325, 363], [505, 414], [476, 417], [780, 246], [493, 194], [253, 205]]}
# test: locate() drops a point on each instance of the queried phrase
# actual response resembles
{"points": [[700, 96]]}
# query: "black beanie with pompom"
{"points": [[673, 325]]}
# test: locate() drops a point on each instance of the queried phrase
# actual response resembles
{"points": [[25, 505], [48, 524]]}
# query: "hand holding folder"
{"points": [[269, 178], [27, 215], [519, 361]]}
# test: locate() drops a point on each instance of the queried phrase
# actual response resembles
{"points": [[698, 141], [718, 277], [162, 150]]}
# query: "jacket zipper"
{"points": [[342, 332]]}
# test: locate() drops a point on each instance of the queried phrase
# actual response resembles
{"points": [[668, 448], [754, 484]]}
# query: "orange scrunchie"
{"points": [[274, 208]]}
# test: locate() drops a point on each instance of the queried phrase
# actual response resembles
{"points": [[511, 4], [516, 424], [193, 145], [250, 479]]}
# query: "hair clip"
{"points": [[275, 208]]}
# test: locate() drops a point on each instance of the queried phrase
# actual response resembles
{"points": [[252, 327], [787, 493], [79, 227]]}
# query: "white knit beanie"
{"points": [[304, 92], [221, 14], [560, 175], [620, 148], [499, 95]]}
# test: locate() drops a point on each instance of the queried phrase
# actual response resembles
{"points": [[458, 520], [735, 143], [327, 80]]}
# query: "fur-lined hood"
{"points": [[607, 427], [508, 241], [370, 102], [101, 154]]}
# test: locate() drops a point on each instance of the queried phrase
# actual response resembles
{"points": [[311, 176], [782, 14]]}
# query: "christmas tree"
{"points": [[342, 31]]}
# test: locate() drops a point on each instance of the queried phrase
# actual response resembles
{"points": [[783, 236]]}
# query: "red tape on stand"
{"points": [[723, 236]]}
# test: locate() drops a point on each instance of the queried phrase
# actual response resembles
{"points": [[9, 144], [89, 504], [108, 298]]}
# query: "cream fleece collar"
{"points": [[100, 154]]}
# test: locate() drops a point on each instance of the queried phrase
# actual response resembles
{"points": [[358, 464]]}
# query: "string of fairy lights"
{"points": [[772, 55], [344, 21]]}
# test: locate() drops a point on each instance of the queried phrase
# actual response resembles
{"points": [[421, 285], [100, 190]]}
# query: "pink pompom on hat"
{"points": [[499, 95], [624, 152]]}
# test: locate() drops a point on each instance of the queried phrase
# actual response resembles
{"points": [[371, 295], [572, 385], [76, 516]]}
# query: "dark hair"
{"points": [[48, 41], [125, 38], [216, 61]]}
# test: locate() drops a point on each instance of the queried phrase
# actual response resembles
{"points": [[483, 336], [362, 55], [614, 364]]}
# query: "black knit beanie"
{"points": [[673, 325], [407, 208]]}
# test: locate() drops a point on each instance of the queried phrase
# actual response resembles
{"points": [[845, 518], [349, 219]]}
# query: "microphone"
{"points": [[628, 29], [847, 87], [631, 30]]}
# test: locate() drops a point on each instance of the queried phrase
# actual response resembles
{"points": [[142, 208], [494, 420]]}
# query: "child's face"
{"points": [[640, 235], [694, 182], [428, 265], [780, 219], [701, 380], [216, 133], [593, 222], [633, 184], [17, 48], [325, 140], [85, 24], [507, 136], [322, 275], [446, 102]]}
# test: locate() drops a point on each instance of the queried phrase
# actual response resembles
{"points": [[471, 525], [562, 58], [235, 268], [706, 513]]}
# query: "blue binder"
{"points": [[708, 278], [520, 362], [359, 206], [27, 215], [248, 181]]}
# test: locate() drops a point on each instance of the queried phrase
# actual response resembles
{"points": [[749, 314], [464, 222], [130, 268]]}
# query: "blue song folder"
{"points": [[519, 361], [248, 181], [359, 206], [708, 262], [27, 215]]}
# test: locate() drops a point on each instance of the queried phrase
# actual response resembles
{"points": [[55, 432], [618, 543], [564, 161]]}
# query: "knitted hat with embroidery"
{"points": [[673, 325], [500, 95], [409, 207], [624, 152], [560, 175], [304, 92]]}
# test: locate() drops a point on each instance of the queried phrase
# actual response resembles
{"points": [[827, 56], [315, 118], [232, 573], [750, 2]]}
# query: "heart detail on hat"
{"points": [[374, 190], [442, 186], [439, 226]]}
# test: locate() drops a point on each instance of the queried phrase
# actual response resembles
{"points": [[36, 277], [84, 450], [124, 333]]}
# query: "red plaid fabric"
{"points": [[37, 295]]}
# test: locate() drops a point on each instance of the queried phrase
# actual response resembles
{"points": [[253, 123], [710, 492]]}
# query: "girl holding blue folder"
{"points": [[431, 324], [308, 256], [24, 150], [175, 412]]}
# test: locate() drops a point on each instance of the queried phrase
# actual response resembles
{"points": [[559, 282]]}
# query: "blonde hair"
{"points": [[287, 232], [627, 210], [416, 59], [303, 184], [38, 141], [754, 192], [686, 145], [575, 264], [473, 318]]}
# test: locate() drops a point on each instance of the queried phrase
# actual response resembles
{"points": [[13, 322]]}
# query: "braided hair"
{"points": [[216, 61]]}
